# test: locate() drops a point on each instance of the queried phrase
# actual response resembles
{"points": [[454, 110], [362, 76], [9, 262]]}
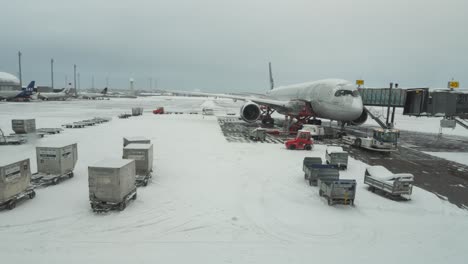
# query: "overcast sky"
{"points": [[217, 45]]}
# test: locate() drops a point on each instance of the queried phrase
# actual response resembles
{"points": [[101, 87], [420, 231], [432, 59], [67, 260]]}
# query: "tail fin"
{"points": [[272, 83], [104, 91], [29, 89]]}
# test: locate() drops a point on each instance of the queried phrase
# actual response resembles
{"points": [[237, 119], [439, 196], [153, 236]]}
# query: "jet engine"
{"points": [[361, 119], [250, 112]]}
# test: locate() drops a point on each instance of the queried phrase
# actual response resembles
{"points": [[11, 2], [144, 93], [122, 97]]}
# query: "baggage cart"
{"points": [[143, 156], [338, 191], [314, 172], [337, 156], [135, 140], [309, 160], [399, 185], [55, 163], [23, 126], [15, 179], [111, 184]]}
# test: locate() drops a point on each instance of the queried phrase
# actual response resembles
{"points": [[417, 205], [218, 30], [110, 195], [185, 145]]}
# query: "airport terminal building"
{"points": [[9, 82]]}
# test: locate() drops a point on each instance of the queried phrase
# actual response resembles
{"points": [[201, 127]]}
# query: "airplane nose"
{"points": [[356, 107]]}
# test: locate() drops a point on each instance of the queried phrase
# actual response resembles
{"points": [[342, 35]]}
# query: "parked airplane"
{"points": [[332, 99], [94, 95], [23, 94], [63, 95]]}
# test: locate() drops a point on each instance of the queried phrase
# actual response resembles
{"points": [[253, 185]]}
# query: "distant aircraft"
{"points": [[63, 95], [93, 95], [24, 93]]}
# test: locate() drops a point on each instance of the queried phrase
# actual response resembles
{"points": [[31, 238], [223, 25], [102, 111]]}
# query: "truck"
{"points": [[337, 156], [15, 179], [398, 185], [316, 131], [338, 191], [303, 140], [383, 140]]}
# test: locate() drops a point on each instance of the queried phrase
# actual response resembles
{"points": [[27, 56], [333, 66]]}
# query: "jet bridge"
{"points": [[450, 104]]}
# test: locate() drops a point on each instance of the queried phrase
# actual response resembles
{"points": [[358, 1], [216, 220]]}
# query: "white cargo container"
{"points": [[111, 184], [15, 182], [136, 111], [137, 140], [23, 126], [56, 159]]}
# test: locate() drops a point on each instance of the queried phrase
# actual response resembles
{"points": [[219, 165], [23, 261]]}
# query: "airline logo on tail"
{"points": [[28, 91]]}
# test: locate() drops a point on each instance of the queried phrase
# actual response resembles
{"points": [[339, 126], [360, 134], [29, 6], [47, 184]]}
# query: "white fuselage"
{"points": [[332, 99], [9, 94], [53, 96]]}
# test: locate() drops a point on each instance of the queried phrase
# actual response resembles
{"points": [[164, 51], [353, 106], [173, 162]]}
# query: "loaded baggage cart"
{"points": [[143, 156], [314, 172], [258, 134], [135, 140], [55, 162], [137, 111], [23, 126], [399, 185], [338, 191], [111, 184], [15, 184], [337, 156], [125, 115], [309, 160]]}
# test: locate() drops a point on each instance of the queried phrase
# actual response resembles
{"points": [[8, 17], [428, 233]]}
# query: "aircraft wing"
{"points": [[258, 99]]}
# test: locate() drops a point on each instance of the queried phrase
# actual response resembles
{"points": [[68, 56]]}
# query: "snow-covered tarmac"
{"points": [[211, 201]]}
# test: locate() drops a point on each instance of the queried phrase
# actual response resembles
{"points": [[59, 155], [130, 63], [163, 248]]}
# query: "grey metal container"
{"points": [[336, 156], [23, 126], [57, 158], [136, 111], [143, 156], [14, 179], [135, 140], [338, 191], [111, 180]]}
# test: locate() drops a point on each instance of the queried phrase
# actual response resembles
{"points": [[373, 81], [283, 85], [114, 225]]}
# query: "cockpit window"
{"points": [[346, 92]]}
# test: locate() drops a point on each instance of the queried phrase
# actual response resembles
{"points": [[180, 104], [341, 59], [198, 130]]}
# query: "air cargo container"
{"points": [[111, 184], [23, 126], [55, 162], [138, 140], [143, 156], [15, 181]]}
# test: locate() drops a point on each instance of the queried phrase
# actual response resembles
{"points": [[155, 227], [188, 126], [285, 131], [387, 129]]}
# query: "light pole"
{"points": [[52, 73], [19, 65], [74, 79]]}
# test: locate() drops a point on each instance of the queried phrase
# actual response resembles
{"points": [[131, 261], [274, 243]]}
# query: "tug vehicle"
{"points": [[302, 141]]}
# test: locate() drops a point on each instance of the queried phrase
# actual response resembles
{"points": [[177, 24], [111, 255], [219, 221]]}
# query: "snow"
{"points": [[211, 201], [111, 163], [418, 124], [460, 157], [379, 172], [335, 149], [138, 146], [7, 78]]}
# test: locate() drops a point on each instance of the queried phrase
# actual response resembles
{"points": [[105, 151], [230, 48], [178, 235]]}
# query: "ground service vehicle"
{"points": [[384, 140], [394, 185], [316, 131], [158, 111], [302, 141]]}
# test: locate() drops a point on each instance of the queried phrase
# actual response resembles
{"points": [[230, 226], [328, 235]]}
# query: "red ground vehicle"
{"points": [[302, 141], [159, 111]]}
